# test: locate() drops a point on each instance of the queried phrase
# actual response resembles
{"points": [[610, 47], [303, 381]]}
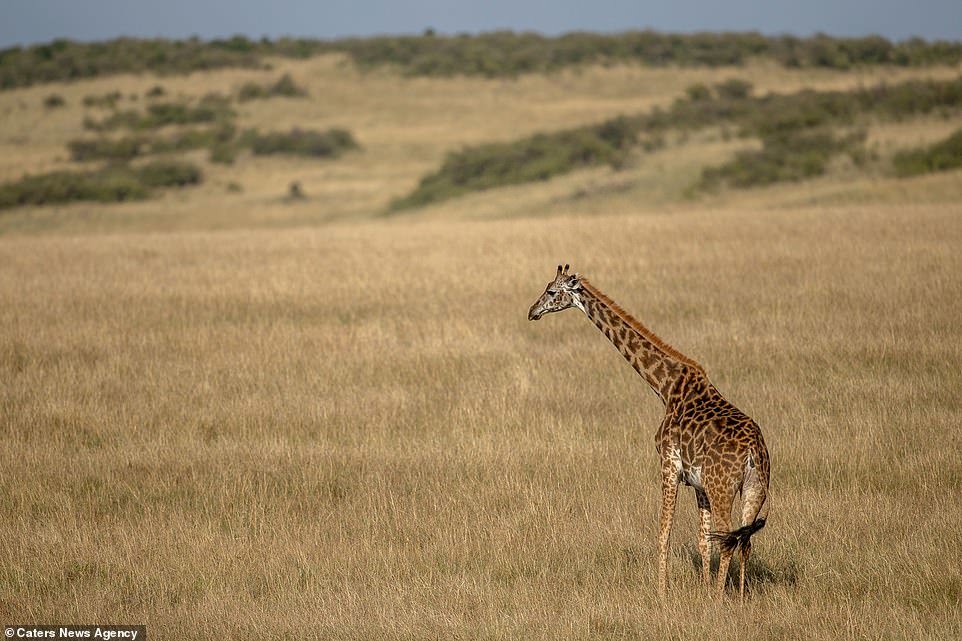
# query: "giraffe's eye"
{"points": [[552, 292]]}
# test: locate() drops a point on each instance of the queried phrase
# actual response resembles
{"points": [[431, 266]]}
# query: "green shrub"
{"points": [[53, 101], [109, 185], [284, 87], [698, 92], [733, 105], [119, 119], [114, 183], [538, 157], [940, 156], [105, 149], [912, 97], [172, 113], [136, 145], [784, 156], [192, 139], [156, 91], [318, 144], [168, 173], [251, 91], [734, 88], [223, 153], [219, 140], [108, 100], [209, 109]]}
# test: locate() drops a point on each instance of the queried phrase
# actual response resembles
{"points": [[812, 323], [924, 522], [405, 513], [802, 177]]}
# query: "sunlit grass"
{"points": [[353, 431], [224, 413]]}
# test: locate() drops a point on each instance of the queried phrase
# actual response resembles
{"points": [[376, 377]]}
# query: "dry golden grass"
{"points": [[352, 431], [257, 425]]}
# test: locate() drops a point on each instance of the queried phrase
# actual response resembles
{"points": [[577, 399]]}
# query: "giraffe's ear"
{"points": [[574, 283]]}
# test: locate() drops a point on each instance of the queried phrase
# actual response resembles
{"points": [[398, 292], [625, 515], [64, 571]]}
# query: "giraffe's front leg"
{"points": [[669, 492], [704, 529]]}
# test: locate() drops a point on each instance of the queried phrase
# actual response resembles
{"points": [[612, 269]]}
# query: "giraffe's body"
{"points": [[703, 441]]}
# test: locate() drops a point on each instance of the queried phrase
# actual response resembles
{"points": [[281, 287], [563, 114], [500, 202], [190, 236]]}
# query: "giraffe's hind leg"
{"points": [[746, 551], [721, 499], [723, 523], [754, 494], [704, 529]]}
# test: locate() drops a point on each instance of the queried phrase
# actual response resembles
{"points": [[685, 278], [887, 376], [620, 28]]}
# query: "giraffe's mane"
{"points": [[636, 325]]}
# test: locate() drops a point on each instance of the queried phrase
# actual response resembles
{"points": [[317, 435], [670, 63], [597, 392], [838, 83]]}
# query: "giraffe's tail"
{"points": [[737, 539]]}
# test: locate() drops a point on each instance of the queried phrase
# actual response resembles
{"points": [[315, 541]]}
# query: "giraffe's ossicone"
{"points": [[703, 441]]}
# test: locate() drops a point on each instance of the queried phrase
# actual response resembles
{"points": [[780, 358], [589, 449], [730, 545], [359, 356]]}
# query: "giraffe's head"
{"points": [[560, 294]]}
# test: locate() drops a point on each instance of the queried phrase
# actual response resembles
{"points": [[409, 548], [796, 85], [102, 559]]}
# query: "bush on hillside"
{"points": [[538, 157], [53, 101], [83, 150], [734, 89], [189, 139], [114, 183], [784, 156], [161, 114], [283, 87], [168, 173], [108, 100], [107, 185], [129, 147], [251, 91], [223, 153], [697, 92], [301, 142], [940, 156], [172, 113]]}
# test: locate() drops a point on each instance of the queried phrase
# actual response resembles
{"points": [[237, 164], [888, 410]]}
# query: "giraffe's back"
{"points": [[713, 437]]}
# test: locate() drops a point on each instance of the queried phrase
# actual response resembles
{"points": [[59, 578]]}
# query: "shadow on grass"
{"points": [[758, 572]]}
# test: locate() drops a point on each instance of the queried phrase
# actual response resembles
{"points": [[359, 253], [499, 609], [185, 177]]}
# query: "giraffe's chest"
{"points": [[686, 471]]}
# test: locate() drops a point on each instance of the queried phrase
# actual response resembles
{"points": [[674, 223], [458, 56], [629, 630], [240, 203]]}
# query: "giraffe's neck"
{"points": [[656, 361]]}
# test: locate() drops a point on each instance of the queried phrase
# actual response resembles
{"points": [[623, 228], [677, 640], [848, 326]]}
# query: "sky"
{"points": [[32, 21]]}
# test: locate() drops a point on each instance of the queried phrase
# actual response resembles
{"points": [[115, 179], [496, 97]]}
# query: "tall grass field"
{"points": [[229, 413]]}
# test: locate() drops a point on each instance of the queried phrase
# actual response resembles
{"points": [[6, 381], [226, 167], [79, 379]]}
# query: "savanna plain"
{"points": [[229, 412]]}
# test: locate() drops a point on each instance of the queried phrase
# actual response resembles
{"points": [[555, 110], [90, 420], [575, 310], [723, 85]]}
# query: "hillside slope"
{"points": [[405, 127]]}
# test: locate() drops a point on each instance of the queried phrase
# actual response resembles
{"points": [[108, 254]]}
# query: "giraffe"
{"points": [[703, 441]]}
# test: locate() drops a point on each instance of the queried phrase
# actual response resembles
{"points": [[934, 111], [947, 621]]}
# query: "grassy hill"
{"points": [[406, 126], [227, 410]]}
